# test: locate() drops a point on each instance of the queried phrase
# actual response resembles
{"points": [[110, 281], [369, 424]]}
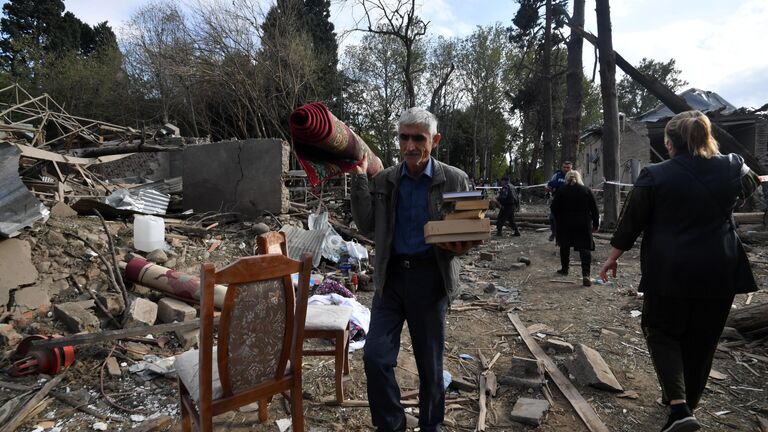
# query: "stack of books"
{"points": [[464, 219]]}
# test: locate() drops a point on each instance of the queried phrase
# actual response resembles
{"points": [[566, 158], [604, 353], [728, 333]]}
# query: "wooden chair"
{"points": [[323, 322], [261, 330]]}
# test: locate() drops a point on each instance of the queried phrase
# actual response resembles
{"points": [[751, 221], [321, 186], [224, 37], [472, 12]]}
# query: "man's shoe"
{"points": [[562, 272], [516, 234], [681, 423], [586, 281]]}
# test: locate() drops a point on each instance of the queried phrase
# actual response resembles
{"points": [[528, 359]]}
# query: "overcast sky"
{"points": [[719, 45]]}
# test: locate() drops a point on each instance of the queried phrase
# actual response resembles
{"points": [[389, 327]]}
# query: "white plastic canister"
{"points": [[148, 233]]}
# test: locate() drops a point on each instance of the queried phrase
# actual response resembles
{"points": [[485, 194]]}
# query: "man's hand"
{"points": [[460, 247], [363, 167]]}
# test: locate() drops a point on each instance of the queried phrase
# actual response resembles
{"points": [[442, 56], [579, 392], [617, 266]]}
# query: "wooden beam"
{"points": [[90, 338], [580, 405]]}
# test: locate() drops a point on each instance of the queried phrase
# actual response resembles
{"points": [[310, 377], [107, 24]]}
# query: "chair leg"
{"points": [[346, 352], [186, 419], [263, 410], [297, 408], [339, 365]]}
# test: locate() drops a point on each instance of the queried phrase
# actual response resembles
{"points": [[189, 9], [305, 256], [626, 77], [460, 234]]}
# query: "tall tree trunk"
{"points": [[610, 114], [549, 153], [575, 89]]}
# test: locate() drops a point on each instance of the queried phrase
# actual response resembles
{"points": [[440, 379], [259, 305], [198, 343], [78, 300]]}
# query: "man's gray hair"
{"points": [[418, 116]]}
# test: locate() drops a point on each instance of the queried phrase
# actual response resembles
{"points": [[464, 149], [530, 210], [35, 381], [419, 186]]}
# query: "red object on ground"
{"points": [[49, 361]]}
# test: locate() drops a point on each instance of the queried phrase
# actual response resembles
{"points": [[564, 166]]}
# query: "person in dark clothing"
{"points": [[691, 259], [414, 280], [554, 183], [508, 203], [576, 218]]}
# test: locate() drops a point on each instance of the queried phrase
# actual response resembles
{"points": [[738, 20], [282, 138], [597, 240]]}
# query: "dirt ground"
{"points": [[599, 316]]}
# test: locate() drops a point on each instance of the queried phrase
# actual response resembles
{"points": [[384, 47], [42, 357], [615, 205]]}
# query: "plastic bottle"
{"points": [[148, 233]]}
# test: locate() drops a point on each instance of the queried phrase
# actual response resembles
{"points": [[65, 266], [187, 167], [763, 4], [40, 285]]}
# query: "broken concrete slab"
{"points": [[170, 310], [530, 411], [242, 176], [33, 298], [9, 337], [141, 312], [61, 210], [76, 318], [589, 368], [16, 266]]}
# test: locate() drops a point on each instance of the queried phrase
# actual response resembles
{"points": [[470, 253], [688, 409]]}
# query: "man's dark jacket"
{"points": [[374, 205]]}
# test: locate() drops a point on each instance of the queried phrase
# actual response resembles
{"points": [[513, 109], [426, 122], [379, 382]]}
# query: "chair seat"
{"points": [[327, 317], [189, 372]]}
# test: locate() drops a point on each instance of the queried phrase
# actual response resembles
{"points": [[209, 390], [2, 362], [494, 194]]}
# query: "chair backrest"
{"points": [[271, 242], [262, 321]]}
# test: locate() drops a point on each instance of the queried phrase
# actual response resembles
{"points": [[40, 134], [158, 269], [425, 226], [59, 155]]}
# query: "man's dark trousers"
{"points": [[413, 292], [506, 214]]}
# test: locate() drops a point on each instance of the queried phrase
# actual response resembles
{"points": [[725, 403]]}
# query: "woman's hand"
{"points": [[609, 265]]}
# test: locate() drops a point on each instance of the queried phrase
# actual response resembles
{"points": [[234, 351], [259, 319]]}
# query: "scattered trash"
{"points": [[153, 366], [283, 424], [635, 313]]}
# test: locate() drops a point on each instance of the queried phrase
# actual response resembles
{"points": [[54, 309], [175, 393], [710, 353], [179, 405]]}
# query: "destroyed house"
{"points": [[642, 138]]}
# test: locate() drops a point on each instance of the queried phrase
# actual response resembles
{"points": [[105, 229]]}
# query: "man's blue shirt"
{"points": [[412, 212]]}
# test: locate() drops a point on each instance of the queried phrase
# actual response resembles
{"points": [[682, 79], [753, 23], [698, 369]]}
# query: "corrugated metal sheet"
{"points": [[147, 201], [300, 241], [169, 186], [18, 206]]}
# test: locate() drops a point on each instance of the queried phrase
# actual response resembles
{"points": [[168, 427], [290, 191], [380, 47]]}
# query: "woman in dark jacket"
{"points": [[576, 218], [691, 260]]}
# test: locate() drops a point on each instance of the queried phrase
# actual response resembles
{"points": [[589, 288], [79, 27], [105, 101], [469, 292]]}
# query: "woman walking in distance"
{"points": [[576, 218], [691, 260]]}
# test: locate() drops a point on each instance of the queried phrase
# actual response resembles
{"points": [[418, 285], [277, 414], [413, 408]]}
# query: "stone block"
{"points": [[242, 176], [16, 266], [530, 411], [487, 256], [76, 318], [157, 256], [524, 373], [188, 338], [141, 312], [113, 367], [9, 337], [589, 368], [170, 310], [113, 302], [556, 345]]}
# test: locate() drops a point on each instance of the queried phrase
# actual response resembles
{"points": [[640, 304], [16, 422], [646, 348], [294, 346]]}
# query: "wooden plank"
{"points": [[580, 405], [21, 414]]}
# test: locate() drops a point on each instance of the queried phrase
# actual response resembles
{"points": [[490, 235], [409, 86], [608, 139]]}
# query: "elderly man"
{"points": [[414, 280]]}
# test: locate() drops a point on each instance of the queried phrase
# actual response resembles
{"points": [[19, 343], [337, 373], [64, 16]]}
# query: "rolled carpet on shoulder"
{"points": [[325, 146]]}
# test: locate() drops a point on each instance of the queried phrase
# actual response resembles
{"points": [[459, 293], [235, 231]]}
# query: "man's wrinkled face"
{"points": [[566, 167], [416, 144]]}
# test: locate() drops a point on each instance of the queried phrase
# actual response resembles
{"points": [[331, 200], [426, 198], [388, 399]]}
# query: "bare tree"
{"points": [[400, 21], [610, 115], [575, 89]]}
